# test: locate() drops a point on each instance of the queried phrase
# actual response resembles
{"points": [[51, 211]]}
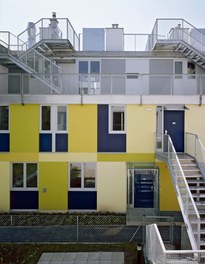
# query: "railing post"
{"points": [[77, 228]]}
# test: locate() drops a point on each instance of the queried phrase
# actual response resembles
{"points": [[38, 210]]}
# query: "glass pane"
{"points": [[75, 175], [31, 175], [46, 117], [89, 175], [4, 117], [62, 113], [118, 121], [17, 179], [83, 67], [178, 67], [94, 67]]}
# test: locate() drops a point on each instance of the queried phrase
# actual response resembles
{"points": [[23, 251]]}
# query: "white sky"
{"points": [[135, 16]]}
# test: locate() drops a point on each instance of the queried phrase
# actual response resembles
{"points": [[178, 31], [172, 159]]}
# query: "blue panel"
{"points": [[45, 143], [24, 200], [61, 142], [108, 142], [81, 200], [4, 142], [93, 39]]}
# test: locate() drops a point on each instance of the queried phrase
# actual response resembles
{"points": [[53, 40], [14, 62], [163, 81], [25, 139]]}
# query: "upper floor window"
{"points": [[4, 118], [89, 79], [191, 70], [54, 127], [117, 119], [82, 175], [178, 70], [24, 176]]}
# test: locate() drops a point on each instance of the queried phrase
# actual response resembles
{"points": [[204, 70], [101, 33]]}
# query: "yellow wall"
{"points": [[167, 198], [141, 127], [111, 186], [4, 187], [82, 128], [24, 128], [128, 157], [194, 121], [54, 177]]}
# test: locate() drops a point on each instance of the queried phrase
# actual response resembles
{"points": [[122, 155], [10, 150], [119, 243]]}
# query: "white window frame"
{"points": [[8, 130], [82, 188], [119, 108], [24, 188], [178, 76], [54, 123]]}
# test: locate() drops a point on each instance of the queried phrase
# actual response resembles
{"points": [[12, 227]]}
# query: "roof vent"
{"points": [[115, 25]]}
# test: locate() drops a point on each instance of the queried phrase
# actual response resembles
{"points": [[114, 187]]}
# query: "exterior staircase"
{"points": [[191, 53], [196, 183]]}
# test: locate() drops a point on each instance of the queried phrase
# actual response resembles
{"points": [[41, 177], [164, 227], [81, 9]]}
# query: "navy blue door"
{"points": [[143, 191], [174, 125]]}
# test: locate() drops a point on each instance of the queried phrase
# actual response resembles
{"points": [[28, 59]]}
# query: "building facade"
{"points": [[82, 119]]}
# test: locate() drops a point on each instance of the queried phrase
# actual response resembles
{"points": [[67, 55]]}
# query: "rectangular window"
{"points": [[46, 118], [4, 118], [24, 176], [191, 70], [117, 119], [83, 67], [62, 118], [178, 69], [83, 176], [94, 67]]}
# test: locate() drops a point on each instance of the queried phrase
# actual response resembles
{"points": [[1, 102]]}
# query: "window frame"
{"points": [[110, 119], [176, 75], [6, 130], [82, 188], [24, 188]]}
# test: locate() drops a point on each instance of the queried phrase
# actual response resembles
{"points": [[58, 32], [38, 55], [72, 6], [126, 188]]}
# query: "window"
{"points": [[82, 176], [54, 126], [117, 119], [4, 118], [24, 176], [178, 69], [191, 70], [89, 80]]}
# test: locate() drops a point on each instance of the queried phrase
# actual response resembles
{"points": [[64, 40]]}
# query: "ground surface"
{"points": [[30, 253]]}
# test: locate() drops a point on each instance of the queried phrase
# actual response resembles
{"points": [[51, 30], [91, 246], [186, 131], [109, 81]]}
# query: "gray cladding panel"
{"points": [[109, 66], [159, 66]]}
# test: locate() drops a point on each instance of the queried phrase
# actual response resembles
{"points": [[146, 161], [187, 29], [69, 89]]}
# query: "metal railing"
{"points": [[188, 207], [156, 252], [195, 148], [97, 84], [176, 29]]}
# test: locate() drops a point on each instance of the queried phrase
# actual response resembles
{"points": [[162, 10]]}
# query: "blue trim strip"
{"points": [[4, 142], [45, 142], [24, 200], [82, 200]]}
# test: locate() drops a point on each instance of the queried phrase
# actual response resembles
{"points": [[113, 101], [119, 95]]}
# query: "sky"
{"points": [[135, 16]]}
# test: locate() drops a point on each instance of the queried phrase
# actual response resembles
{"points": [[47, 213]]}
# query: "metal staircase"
{"points": [[191, 53], [187, 171]]}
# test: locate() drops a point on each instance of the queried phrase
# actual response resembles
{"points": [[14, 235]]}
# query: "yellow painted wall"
{"points": [[82, 128], [60, 157], [167, 198], [4, 186], [141, 128], [54, 177], [128, 157], [194, 121], [111, 186], [24, 128]]}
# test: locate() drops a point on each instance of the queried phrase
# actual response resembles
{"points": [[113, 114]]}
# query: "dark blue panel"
{"points": [[174, 124], [108, 142], [24, 200], [45, 143], [61, 142], [4, 142], [81, 200]]}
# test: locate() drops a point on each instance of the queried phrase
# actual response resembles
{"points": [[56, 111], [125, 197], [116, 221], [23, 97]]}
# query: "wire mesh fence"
{"points": [[34, 228]]}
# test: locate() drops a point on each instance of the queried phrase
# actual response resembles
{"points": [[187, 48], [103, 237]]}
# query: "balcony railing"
{"points": [[104, 84]]}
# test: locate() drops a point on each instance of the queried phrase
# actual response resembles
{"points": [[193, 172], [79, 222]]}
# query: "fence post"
{"points": [[77, 228], [11, 221]]}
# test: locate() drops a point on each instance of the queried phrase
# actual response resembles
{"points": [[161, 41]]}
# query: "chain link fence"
{"points": [[46, 228]]}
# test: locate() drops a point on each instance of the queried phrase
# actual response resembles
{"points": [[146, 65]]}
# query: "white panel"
{"points": [[114, 39]]}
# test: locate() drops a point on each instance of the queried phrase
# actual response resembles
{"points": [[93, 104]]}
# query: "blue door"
{"points": [[174, 125], [143, 191]]}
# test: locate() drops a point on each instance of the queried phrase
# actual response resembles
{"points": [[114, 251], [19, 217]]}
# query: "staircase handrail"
{"points": [[155, 34], [156, 251], [194, 235]]}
